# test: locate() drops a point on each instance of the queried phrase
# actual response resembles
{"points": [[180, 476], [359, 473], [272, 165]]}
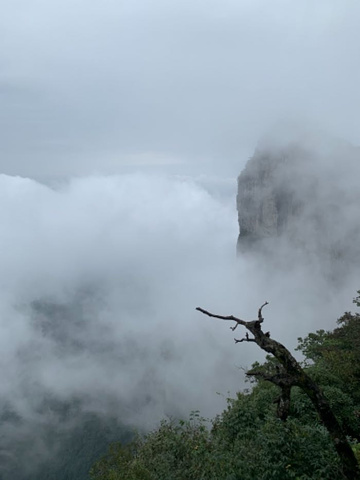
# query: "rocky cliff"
{"points": [[301, 198]]}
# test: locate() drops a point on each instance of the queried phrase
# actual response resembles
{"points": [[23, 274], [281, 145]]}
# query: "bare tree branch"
{"points": [[245, 339], [292, 375], [279, 379], [285, 382], [223, 317], [260, 317]]}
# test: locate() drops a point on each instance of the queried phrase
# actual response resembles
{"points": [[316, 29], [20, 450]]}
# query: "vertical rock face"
{"points": [[258, 200], [302, 199]]}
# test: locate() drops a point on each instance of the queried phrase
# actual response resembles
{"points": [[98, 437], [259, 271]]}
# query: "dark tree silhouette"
{"points": [[292, 374]]}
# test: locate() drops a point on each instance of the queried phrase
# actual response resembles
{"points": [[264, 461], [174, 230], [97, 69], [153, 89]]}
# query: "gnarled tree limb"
{"points": [[292, 375]]}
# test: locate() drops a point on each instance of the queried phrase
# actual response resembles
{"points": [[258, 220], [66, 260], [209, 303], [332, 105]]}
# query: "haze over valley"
{"points": [[124, 128]]}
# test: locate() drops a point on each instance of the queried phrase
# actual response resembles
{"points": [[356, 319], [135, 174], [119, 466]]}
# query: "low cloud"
{"points": [[99, 283]]}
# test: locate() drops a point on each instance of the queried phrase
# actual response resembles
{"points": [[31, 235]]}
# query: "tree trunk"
{"points": [[296, 376]]}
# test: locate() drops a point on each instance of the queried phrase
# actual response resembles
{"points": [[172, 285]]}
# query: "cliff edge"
{"points": [[301, 198]]}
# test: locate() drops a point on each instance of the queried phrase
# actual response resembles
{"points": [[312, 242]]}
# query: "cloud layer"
{"points": [[99, 282], [86, 88]]}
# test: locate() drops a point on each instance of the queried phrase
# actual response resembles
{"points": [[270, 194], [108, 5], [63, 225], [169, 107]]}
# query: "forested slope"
{"points": [[248, 440]]}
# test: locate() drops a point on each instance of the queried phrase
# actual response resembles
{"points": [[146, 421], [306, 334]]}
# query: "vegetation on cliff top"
{"points": [[249, 440]]}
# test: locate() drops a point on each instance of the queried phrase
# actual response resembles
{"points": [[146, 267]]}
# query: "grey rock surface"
{"points": [[301, 199]]}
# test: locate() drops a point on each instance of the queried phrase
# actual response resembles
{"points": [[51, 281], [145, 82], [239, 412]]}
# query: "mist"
{"points": [[101, 276], [186, 87], [99, 283], [123, 129]]}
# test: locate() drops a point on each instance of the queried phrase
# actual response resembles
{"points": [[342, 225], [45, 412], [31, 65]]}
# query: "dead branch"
{"points": [[292, 375], [239, 340], [245, 339], [279, 379], [260, 317], [223, 317], [285, 382]]}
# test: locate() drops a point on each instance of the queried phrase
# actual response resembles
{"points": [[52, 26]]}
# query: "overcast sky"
{"points": [[185, 87]]}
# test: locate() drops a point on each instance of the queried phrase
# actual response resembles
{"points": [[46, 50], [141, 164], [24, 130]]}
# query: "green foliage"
{"points": [[357, 299], [312, 346], [334, 356], [247, 440], [176, 450]]}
